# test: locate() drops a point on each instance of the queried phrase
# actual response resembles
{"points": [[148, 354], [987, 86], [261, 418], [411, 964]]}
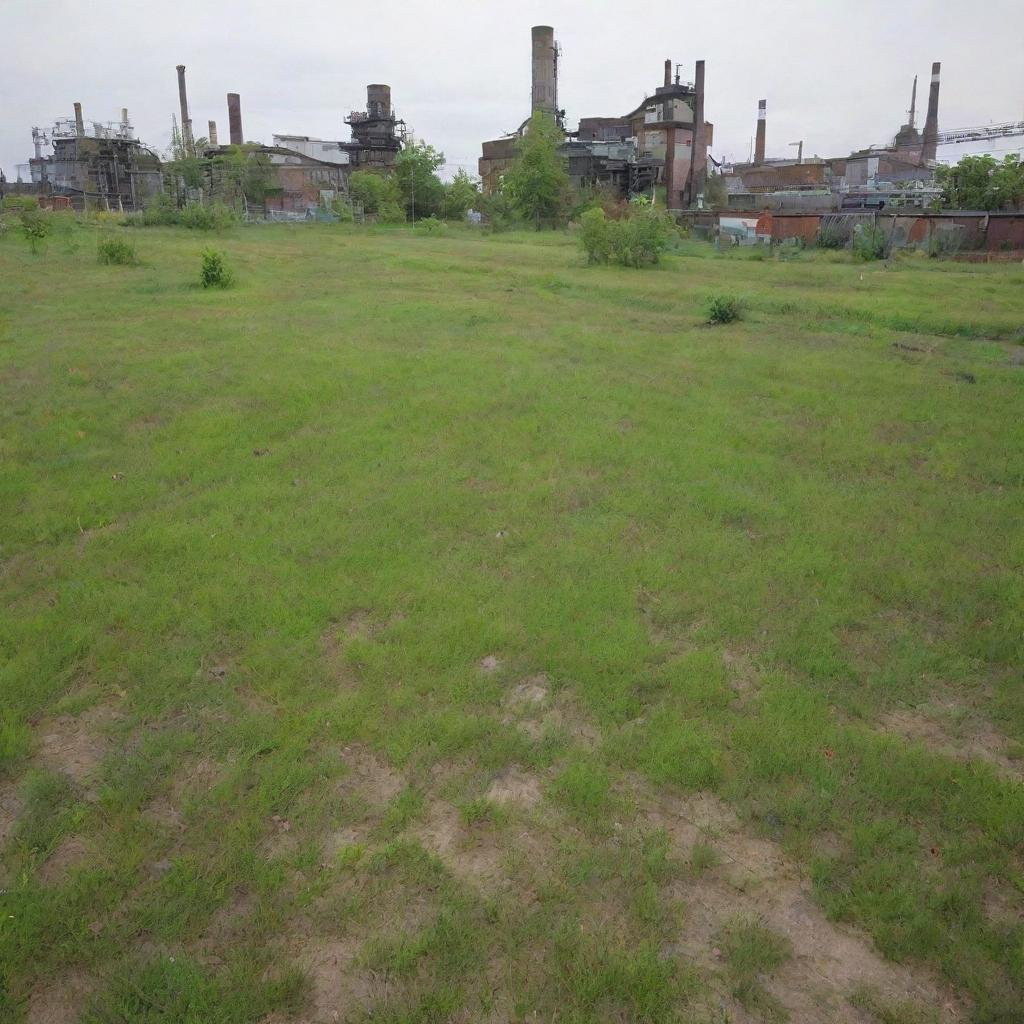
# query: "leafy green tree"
{"points": [[416, 171], [461, 194], [537, 183], [378, 194], [983, 183]]}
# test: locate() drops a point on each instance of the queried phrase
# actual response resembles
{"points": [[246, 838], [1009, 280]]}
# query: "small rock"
{"points": [[218, 671], [260, 451]]}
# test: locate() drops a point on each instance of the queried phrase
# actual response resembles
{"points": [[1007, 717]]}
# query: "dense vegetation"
{"points": [[434, 627]]}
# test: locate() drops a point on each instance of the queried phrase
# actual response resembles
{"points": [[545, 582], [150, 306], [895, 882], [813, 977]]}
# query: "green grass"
{"points": [[252, 530]]}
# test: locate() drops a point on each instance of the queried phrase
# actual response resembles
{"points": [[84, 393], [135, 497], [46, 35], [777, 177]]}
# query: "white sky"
{"points": [[836, 73]]}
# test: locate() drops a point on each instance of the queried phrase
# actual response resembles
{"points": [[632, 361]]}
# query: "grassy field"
{"points": [[432, 628]]}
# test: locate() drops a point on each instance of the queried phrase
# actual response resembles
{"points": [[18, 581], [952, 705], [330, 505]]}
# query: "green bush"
{"points": [[724, 309], [870, 243], [160, 211], [214, 272], [635, 241], [595, 235], [115, 251], [206, 217], [35, 226], [432, 225], [16, 204]]}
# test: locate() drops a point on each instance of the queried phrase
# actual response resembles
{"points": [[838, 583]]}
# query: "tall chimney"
{"points": [[913, 104], [545, 70], [79, 123], [931, 125], [762, 114], [668, 72], [211, 132], [699, 162], [186, 121], [235, 118], [378, 101]]}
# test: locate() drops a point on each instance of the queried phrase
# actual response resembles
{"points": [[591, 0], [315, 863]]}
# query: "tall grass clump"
{"points": [[214, 271], [116, 251], [724, 309]]}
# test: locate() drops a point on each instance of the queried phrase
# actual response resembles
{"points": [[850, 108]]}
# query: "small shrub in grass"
{"points": [[115, 251], [214, 272], [870, 243], [595, 236], [724, 309], [35, 226], [432, 226]]}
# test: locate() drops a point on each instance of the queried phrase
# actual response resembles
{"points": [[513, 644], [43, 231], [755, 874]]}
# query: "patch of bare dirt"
{"points": [[340, 987], [10, 809], [755, 878], [489, 664], [472, 858], [370, 777], [514, 786], [743, 675], [978, 739], [564, 715], [530, 693], [76, 746], [62, 1001], [163, 813], [72, 852]]}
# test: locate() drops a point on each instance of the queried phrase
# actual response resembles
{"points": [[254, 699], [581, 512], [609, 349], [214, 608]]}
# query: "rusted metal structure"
{"points": [[107, 167], [376, 135]]}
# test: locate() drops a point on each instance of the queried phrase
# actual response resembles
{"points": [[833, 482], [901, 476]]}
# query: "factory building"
{"points": [[103, 164], [901, 173], [663, 141]]}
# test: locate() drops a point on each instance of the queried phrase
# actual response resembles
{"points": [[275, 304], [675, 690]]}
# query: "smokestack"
{"points": [[668, 72], [186, 121], [762, 114], [931, 125], [699, 164], [378, 101], [545, 70], [79, 123], [913, 104], [211, 132], [235, 118]]}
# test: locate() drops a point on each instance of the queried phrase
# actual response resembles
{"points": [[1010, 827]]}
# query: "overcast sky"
{"points": [[836, 73]]}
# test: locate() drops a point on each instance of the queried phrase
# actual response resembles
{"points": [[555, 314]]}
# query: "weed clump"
{"points": [[211, 217], [214, 272], [116, 251], [636, 240], [724, 309]]}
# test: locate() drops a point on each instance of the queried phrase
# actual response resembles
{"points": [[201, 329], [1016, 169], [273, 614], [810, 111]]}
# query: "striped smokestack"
{"points": [[762, 114], [931, 125]]}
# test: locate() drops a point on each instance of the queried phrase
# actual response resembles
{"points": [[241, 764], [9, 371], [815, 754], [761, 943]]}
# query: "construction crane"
{"points": [[1008, 129]]}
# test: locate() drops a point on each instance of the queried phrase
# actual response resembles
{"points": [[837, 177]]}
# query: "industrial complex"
{"points": [[662, 147]]}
